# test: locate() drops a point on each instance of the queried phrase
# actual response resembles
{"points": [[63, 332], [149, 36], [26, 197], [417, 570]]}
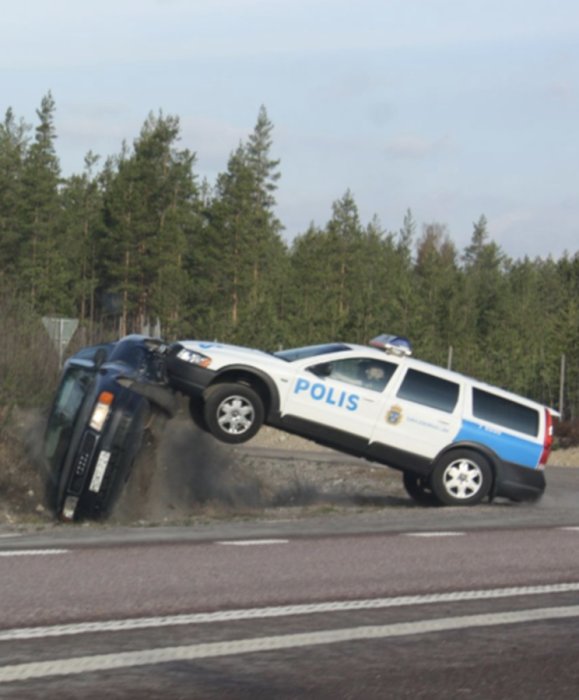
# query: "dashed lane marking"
{"points": [[147, 657], [250, 543], [32, 552], [433, 534], [281, 611]]}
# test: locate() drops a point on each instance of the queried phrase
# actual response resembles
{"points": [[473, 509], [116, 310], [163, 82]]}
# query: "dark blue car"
{"points": [[105, 401]]}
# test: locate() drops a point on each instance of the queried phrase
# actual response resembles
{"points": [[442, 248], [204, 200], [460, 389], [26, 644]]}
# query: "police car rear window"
{"points": [[310, 351], [501, 411], [429, 390]]}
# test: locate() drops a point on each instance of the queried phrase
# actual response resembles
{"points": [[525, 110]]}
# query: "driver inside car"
{"points": [[374, 376]]}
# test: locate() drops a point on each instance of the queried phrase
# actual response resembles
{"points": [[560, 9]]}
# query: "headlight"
{"points": [[193, 358], [101, 410]]}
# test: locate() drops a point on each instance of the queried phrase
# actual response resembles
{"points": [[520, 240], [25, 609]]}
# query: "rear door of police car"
{"points": [[422, 413]]}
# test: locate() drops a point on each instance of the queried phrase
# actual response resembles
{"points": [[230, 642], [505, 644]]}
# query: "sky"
{"points": [[450, 108]]}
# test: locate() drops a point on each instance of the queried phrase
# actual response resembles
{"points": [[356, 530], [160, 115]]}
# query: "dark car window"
{"points": [[71, 393], [508, 414], [429, 390], [360, 371]]}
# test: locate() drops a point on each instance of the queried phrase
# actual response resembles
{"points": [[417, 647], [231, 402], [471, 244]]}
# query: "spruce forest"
{"points": [[137, 242]]}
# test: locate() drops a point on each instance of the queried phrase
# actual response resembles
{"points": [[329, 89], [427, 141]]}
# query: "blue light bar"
{"points": [[395, 344]]}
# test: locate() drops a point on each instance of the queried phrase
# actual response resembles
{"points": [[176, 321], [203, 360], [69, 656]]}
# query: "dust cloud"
{"points": [[26, 489], [182, 471]]}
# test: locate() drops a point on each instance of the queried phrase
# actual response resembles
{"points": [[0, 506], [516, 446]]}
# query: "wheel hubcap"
{"points": [[235, 415], [462, 479]]}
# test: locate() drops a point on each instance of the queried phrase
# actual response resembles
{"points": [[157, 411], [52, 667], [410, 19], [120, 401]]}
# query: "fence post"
{"points": [[562, 386]]}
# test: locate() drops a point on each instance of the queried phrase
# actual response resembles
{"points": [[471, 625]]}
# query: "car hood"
{"points": [[225, 353]]}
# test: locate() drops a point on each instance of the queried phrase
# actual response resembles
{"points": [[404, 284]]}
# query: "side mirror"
{"points": [[100, 357], [323, 370]]}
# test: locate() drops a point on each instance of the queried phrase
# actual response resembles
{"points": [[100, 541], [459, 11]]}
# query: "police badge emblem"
{"points": [[394, 415]]}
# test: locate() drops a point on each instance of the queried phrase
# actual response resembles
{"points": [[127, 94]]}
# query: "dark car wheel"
{"points": [[196, 411], [461, 478], [418, 488], [233, 412]]}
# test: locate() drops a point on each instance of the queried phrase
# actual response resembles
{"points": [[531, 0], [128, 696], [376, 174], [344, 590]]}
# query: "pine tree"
{"points": [[485, 269], [82, 200], [239, 258], [150, 204], [13, 146], [42, 259], [438, 286]]}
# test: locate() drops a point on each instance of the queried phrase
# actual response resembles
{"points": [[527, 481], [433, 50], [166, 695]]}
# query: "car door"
{"points": [[338, 394], [422, 415]]}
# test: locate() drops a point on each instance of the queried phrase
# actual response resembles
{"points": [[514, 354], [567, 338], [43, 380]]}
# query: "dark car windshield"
{"points": [[310, 351], [71, 393]]}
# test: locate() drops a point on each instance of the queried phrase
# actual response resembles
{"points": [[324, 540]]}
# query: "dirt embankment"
{"points": [[183, 474]]}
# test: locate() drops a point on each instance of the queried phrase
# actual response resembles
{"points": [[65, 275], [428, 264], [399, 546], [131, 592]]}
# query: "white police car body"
{"points": [[455, 439]]}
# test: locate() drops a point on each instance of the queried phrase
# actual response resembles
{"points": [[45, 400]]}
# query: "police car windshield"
{"points": [[310, 351]]}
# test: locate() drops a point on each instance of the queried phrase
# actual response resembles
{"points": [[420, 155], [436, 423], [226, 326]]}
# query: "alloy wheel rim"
{"points": [[235, 415], [463, 479]]}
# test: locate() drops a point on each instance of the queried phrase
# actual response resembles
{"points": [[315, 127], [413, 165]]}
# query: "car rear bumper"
{"points": [[519, 483]]}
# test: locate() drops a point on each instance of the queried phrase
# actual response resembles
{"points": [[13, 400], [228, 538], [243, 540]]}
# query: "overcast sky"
{"points": [[452, 108]]}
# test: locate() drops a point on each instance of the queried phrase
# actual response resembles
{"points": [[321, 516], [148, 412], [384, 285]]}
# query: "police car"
{"points": [[455, 440]]}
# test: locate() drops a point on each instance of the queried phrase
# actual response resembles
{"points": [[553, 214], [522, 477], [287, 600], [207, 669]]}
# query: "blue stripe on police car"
{"points": [[327, 394], [508, 447]]}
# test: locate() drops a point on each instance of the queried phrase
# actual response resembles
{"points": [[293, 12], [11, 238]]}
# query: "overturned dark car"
{"points": [[106, 399]]}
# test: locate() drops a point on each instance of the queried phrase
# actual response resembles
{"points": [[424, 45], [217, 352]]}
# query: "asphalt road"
{"points": [[398, 603]]}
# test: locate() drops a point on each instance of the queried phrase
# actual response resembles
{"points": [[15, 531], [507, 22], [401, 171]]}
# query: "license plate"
{"points": [[99, 471]]}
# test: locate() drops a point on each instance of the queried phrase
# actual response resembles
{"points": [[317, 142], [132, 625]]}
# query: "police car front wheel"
{"points": [[461, 478], [233, 412]]}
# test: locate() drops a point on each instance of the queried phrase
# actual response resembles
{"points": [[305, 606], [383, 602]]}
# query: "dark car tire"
{"points": [[233, 412], [196, 411], [461, 478], [418, 488]]}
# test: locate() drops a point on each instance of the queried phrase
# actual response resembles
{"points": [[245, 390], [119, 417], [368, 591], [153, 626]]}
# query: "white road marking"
{"points": [[32, 552], [281, 611], [250, 543], [433, 534], [146, 657], [571, 528]]}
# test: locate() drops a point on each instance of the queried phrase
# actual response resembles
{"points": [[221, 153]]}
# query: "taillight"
{"points": [[548, 440], [101, 410]]}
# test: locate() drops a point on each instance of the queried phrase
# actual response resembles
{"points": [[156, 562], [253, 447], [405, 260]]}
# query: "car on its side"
{"points": [[106, 398], [455, 440]]}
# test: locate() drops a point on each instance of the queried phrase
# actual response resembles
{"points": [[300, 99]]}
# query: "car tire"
{"points": [[233, 412], [418, 488], [461, 478], [196, 411]]}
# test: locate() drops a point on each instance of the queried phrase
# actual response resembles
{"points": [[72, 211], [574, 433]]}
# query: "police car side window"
{"points": [[358, 371], [429, 390], [500, 411]]}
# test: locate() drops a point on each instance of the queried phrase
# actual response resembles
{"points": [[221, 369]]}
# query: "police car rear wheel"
{"points": [[461, 478], [418, 488], [233, 412]]}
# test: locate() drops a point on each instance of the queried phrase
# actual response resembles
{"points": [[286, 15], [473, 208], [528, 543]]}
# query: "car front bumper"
{"points": [[186, 377]]}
